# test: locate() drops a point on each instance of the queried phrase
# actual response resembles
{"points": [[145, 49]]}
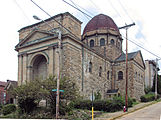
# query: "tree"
{"points": [[28, 96], [31, 93], [158, 84]]}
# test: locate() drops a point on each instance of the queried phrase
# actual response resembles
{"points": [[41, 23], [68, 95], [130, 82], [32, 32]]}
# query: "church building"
{"points": [[94, 60]]}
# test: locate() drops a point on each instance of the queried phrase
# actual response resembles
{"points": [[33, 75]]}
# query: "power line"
{"points": [[90, 17], [96, 6], [116, 10], [23, 12], [53, 19], [85, 10], [77, 9], [125, 10], [143, 48], [130, 40]]}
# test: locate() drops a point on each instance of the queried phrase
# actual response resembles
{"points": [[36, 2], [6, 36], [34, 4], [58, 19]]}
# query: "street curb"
{"points": [[154, 102]]}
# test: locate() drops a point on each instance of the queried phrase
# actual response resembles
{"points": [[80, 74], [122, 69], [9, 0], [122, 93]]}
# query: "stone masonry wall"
{"points": [[135, 83], [76, 66]]}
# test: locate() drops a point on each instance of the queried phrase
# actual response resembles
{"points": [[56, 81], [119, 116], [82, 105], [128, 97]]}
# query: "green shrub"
{"points": [[147, 90], [131, 101], [148, 97], [113, 105], [116, 104], [82, 104], [97, 95], [27, 105], [101, 105], [9, 108]]}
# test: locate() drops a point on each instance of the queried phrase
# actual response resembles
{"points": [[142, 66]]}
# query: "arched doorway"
{"points": [[39, 67]]}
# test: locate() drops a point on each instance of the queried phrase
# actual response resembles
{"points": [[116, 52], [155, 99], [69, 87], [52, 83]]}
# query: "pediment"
{"points": [[139, 59], [34, 37]]}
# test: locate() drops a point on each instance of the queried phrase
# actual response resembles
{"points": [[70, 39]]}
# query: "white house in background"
{"points": [[150, 71]]}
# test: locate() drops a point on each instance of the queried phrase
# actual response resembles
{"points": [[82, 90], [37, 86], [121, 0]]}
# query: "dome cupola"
{"points": [[100, 22]]}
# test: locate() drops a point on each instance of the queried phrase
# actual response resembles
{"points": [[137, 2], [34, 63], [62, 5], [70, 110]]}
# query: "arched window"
{"points": [[91, 43], [108, 75], [90, 67], [119, 44], [139, 77], [112, 41], [120, 75], [102, 42], [136, 75], [100, 71]]}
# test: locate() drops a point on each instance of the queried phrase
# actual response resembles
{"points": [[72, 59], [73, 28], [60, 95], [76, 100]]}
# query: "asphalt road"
{"points": [[152, 112]]}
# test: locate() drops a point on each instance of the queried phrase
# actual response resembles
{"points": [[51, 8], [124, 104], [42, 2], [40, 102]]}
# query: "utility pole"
{"points": [[156, 78], [59, 64], [126, 96], [59, 76]]}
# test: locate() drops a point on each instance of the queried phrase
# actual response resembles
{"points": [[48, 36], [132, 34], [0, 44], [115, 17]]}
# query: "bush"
{"points": [[113, 105], [9, 108], [116, 104], [82, 104], [101, 105], [148, 97], [147, 90], [131, 101], [27, 105]]}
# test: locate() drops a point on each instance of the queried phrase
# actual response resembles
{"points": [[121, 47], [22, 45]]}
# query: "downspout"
{"points": [[82, 67]]}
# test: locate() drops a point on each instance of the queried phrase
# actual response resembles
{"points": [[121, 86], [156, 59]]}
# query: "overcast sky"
{"points": [[16, 14]]}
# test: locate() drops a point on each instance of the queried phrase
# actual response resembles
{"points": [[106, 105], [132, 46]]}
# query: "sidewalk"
{"points": [[112, 116]]}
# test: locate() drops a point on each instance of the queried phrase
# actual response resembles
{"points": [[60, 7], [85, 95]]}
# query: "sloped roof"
{"points": [[111, 91], [9, 83], [3, 83], [130, 56]]}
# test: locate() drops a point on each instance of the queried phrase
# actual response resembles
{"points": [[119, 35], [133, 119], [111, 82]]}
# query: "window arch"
{"points": [[91, 44], [102, 42], [100, 71], [119, 44], [90, 67], [112, 41], [120, 75]]}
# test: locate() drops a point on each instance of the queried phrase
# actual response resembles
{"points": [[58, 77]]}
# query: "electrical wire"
{"points": [[91, 14], [91, 17], [96, 6], [142, 48], [53, 19], [78, 8], [23, 12], [116, 11], [125, 11]]}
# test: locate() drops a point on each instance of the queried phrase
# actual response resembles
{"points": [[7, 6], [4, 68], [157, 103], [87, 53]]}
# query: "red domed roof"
{"points": [[100, 21]]}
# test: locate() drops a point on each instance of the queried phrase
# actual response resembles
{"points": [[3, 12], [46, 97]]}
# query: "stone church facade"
{"points": [[93, 60]]}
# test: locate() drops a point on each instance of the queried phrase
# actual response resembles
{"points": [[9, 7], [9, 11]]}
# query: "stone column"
{"points": [[19, 69], [51, 61], [24, 69], [29, 73]]}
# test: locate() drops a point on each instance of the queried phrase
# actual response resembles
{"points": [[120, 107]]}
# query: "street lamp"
{"points": [[59, 53]]}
